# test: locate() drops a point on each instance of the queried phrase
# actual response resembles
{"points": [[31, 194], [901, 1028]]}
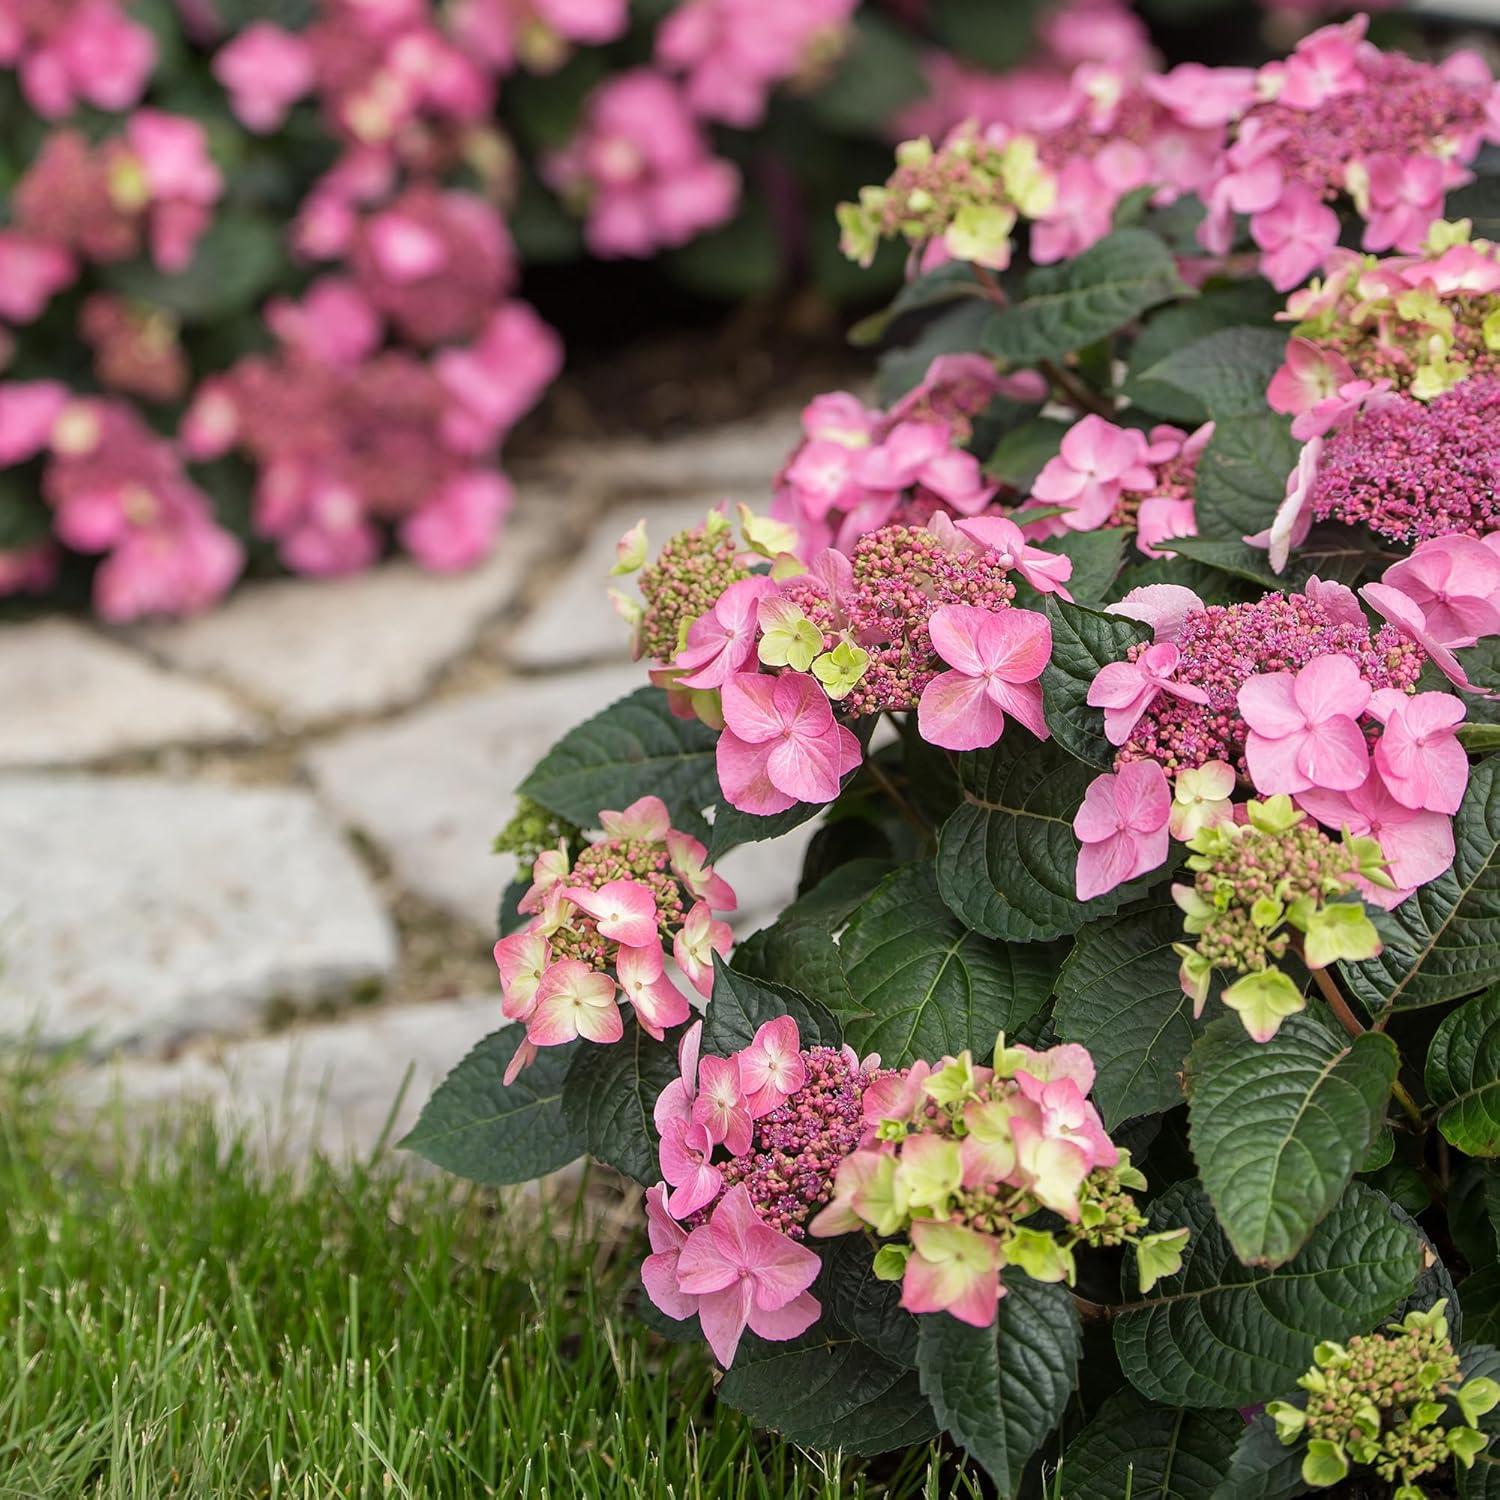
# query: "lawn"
{"points": [[177, 1318]]}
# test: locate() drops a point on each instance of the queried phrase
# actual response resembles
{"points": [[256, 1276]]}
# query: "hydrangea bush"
{"points": [[1131, 648]]}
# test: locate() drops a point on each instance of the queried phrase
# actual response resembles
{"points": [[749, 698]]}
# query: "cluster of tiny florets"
{"points": [[902, 576], [1224, 644], [1411, 470], [685, 581], [797, 1147], [1407, 108], [618, 859]]}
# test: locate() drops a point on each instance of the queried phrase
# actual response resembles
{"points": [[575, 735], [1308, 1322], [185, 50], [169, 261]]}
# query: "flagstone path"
{"points": [[246, 858]]}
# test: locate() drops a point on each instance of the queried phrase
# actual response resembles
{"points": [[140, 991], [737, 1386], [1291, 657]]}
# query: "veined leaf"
{"points": [[1133, 1447], [1083, 641], [610, 1093], [1463, 1076]]}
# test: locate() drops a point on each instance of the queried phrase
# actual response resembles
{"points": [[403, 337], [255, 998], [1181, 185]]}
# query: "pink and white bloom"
{"points": [[995, 658], [1418, 754], [1400, 199], [646, 819], [1418, 846], [771, 1067], [1165, 607], [1201, 799], [1399, 610], [659, 1269], [1295, 236], [781, 744], [1455, 582], [720, 1103], [675, 1102], [1066, 1115], [1126, 689], [1122, 826], [1096, 464], [720, 642], [1047, 572], [696, 943], [624, 911], [657, 1002], [689, 860], [686, 1157], [574, 1000], [1294, 516], [522, 958], [1304, 729], [746, 1275], [1308, 375], [1161, 518], [923, 453]]}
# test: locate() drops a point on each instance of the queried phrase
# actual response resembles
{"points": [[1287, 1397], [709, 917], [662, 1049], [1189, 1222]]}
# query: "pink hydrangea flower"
{"points": [[1418, 845], [1455, 582], [952, 1269], [1096, 464], [771, 1067], [498, 378], [28, 410], [1404, 197], [1295, 236], [700, 937], [746, 1275], [922, 453], [623, 910], [1407, 617], [1309, 374], [90, 52], [1294, 516], [659, 1269], [266, 71], [573, 1000], [995, 658], [456, 529], [1126, 689], [182, 181], [690, 865], [1165, 607], [1122, 826], [657, 1002], [686, 1153], [720, 1104], [522, 958], [720, 642], [1047, 572], [1418, 754], [781, 744], [1304, 729]]}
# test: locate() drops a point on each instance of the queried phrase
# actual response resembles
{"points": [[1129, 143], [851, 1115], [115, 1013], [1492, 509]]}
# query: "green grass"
{"points": [[182, 1320]]}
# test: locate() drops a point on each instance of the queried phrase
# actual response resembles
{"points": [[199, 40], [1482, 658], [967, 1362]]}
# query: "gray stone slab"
{"points": [[311, 650], [575, 622], [434, 787], [137, 911], [69, 696], [330, 1089]]}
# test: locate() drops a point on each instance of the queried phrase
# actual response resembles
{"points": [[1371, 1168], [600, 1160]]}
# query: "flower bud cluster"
{"points": [[1379, 1401], [959, 1158]]}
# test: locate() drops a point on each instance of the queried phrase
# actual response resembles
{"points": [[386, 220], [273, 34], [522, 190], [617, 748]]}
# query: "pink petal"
{"points": [[1334, 754], [787, 1322], [1329, 686], [744, 775], [750, 709], [701, 1267], [1143, 797], [659, 1277], [1023, 701], [956, 632], [1269, 705], [723, 1317], [956, 712]]}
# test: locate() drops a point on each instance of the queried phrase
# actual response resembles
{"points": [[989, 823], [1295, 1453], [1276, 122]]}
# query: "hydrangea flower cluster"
{"points": [[958, 1157], [600, 922], [750, 1147], [1379, 1400], [1258, 883], [917, 619]]}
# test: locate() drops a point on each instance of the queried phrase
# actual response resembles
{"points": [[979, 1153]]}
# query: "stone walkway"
{"points": [[247, 857]]}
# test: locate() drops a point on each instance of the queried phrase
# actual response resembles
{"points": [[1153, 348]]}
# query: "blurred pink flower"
{"points": [[266, 71]]}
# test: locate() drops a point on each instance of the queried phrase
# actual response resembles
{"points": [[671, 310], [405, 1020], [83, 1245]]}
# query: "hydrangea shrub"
{"points": [[1132, 649]]}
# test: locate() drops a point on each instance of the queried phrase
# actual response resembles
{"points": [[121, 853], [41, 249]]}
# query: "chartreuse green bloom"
{"points": [[789, 638], [842, 669]]}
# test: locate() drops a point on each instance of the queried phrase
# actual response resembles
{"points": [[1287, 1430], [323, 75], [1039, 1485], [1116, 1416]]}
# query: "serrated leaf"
{"points": [[1262, 1467], [1007, 859], [740, 1005], [632, 748], [1242, 475], [1118, 994], [1278, 1128], [1221, 1334], [1228, 370], [1083, 641], [924, 985], [1070, 305], [948, 283], [1097, 557], [1463, 1076], [868, 1307], [800, 954], [609, 1094], [1148, 1452], [731, 827], [1226, 556], [828, 1389], [1444, 942], [999, 1391], [477, 1128]]}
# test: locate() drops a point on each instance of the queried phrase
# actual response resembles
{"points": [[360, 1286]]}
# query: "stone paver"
{"points": [[433, 788], [69, 696], [575, 622], [329, 1088], [738, 460], [314, 650], [139, 911]]}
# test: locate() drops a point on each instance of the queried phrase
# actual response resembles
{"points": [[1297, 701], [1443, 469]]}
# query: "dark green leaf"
{"points": [[1083, 641], [1463, 1076], [800, 954], [828, 1389], [868, 1307], [1025, 451], [1278, 1128], [609, 1094], [1482, 1482], [1000, 1390], [1242, 475], [997, 37], [1221, 1334], [731, 827], [741, 1005], [1096, 558], [1481, 1294], [1118, 994], [476, 1127], [1007, 859], [1444, 942], [1228, 371], [632, 748], [949, 283], [1263, 1467], [1232, 557], [925, 985], [1148, 1452], [236, 261], [1067, 306]]}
